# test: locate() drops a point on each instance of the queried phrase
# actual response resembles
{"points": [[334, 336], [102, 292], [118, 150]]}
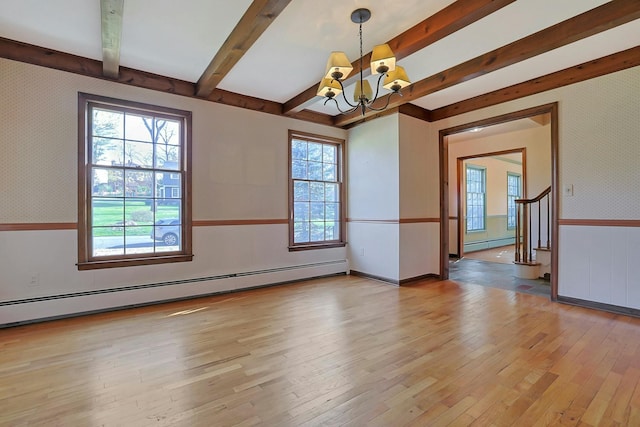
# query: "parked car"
{"points": [[167, 230]]}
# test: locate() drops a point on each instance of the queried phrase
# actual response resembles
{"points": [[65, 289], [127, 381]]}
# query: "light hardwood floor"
{"points": [[333, 351]]}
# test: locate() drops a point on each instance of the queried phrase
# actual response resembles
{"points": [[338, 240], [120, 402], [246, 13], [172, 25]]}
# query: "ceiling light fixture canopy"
{"points": [[383, 62]]}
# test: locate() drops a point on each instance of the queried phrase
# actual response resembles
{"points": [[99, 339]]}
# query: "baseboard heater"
{"points": [[178, 282]]}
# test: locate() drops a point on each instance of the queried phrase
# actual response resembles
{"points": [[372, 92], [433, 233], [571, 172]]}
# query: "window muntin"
{"points": [[476, 198], [316, 199], [134, 167], [513, 193]]}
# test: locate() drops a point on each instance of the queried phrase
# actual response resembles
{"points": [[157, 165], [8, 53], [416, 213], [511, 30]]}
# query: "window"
{"points": [[476, 197], [134, 166], [316, 201], [513, 193]]}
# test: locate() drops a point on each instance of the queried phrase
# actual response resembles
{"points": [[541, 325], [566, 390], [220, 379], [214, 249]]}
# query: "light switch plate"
{"points": [[567, 190]]}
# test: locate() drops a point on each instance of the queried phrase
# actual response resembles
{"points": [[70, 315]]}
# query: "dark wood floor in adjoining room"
{"points": [[333, 351]]}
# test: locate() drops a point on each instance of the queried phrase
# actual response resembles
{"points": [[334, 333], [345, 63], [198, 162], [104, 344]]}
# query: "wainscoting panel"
{"points": [[600, 264], [226, 258], [373, 248]]}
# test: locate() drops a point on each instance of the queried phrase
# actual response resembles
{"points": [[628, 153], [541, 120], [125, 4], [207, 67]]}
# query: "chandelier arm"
{"points": [[385, 105], [349, 111], [345, 97], [377, 88]]}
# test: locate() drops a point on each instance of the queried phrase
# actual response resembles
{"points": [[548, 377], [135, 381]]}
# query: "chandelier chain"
{"points": [[361, 75]]}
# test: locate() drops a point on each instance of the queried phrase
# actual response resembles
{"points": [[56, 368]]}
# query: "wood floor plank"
{"points": [[333, 351]]}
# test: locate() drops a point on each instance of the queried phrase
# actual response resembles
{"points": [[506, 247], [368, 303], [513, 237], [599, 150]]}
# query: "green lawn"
{"points": [[108, 216]]}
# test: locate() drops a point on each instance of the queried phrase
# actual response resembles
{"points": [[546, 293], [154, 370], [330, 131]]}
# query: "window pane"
{"points": [[107, 243], [329, 153], [138, 240], [106, 151], [167, 157], [138, 154], [108, 123], [317, 211], [138, 212], [300, 211], [168, 210], [167, 236], [109, 213], [317, 231], [316, 191], [331, 231], [107, 182], [315, 171], [139, 128], [138, 183], [315, 152], [331, 192], [329, 172], [168, 132], [298, 149], [301, 191], [299, 169], [300, 232], [332, 212], [167, 184]]}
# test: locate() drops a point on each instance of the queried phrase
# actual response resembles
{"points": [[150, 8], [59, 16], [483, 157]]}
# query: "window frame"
{"points": [[340, 150], [86, 259], [483, 170], [515, 197]]}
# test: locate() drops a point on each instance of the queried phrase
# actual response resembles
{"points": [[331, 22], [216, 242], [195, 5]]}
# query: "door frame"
{"points": [[552, 110]]}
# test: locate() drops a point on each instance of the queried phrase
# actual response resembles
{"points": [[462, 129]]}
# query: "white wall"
{"points": [[392, 234], [239, 173], [373, 198], [419, 242]]}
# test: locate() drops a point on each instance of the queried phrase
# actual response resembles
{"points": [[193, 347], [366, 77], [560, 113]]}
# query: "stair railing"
{"points": [[524, 207]]}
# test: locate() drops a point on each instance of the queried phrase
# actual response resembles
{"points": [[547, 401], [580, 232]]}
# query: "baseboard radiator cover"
{"points": [[51, 307]]}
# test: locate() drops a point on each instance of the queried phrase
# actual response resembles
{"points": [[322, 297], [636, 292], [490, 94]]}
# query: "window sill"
{"points": [[123, 262], [308, 247]]}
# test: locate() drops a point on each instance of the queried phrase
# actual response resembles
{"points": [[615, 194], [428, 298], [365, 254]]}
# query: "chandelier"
{"points": [[383, 62]]}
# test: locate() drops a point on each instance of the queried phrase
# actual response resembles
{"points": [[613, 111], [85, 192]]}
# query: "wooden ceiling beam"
{"points": [[253, 23], [443, 23], [599, 67], [111, 11], [594, 21]]}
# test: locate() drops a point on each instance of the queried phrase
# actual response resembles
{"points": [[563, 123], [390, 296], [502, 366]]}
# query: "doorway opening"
{"points": [[485, 166]]}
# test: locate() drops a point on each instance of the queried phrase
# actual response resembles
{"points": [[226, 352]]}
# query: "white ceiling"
{"points": [[179, 39]]}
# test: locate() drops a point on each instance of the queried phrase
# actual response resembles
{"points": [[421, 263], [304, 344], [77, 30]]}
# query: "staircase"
{"points": [[529, 213]]}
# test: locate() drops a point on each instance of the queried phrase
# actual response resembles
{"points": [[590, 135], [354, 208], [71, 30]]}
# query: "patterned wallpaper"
{"points": [[600, 147], [37, 175]]}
